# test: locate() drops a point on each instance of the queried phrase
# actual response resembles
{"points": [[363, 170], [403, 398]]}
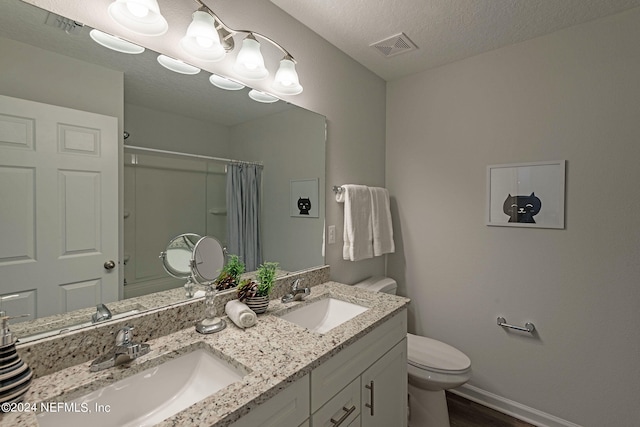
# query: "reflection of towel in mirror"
{"points": [[357, 236], [240, 314], [381, 222]]}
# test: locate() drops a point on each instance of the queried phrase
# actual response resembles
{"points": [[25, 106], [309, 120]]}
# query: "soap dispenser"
{"points": [[15, 375]]}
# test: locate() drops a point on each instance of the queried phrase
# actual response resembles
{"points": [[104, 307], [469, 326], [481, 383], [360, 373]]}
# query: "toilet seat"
{"points": [[436, 356]]}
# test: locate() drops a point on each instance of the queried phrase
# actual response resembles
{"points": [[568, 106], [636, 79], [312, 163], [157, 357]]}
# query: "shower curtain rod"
{"points": [[197, 156]]}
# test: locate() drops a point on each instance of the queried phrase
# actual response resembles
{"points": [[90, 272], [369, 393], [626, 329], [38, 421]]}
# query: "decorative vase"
{"points": [[258, 304], [15, 375]]}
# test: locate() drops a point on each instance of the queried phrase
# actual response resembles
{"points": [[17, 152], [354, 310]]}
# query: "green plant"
{"points": [[230, 274], [266, 277]]}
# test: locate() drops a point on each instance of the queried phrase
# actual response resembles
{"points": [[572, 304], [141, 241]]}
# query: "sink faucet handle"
{"points": [[296, 284], [124, 336]]}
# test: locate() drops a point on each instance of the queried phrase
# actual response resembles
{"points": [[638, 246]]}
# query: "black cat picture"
{"points": [[304, 205], [522, 208]]}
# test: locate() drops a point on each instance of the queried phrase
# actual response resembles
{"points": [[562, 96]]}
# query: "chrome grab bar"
{"points": [[348, 411], [528, 327]]}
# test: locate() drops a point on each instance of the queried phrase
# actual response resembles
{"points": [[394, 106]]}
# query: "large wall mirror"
{"points": [[187, 131]]}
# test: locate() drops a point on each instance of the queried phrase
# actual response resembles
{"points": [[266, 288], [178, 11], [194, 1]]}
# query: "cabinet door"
{"points": [[384, 390], [289, 408]]}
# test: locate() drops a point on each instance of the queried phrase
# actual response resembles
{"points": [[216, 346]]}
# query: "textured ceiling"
{"points": [[444, 30]]}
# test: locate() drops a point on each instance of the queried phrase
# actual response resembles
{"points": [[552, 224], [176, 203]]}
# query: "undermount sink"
{"points": [[150, 396], [323, 315]]}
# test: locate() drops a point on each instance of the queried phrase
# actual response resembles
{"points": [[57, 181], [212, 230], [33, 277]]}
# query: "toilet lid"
{"points": [[379, 284], [427, 353]]}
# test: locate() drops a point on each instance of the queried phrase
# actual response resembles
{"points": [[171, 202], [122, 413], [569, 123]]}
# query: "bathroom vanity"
{"points": [[353, 374]]}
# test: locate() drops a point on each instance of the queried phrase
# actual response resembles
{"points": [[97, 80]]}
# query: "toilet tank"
{"points": [[379, 284]]}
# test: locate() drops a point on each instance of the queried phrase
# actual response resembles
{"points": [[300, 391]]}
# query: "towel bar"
{"points": [[528, 327]]}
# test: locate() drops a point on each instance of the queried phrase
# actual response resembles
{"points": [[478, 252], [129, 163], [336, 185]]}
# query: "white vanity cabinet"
{"points": [[364, 385], [288, 408], [341, 387]]}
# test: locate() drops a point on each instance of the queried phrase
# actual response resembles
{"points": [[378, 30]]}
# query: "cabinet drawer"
{"points": [[289, 408], [342, 409], [337, 372]]}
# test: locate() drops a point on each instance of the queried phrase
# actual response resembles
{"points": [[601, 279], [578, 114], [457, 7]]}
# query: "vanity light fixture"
{"points": [[263, 97], [177, 66], [202, 40], [140, 16], [115, 43], [249, 62], [225, 83], [286, 80]]}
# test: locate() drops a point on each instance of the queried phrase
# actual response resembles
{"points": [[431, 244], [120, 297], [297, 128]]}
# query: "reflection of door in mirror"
{"points": [[59, 228]]}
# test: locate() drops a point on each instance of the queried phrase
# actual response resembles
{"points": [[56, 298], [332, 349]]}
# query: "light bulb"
{"points": [[140, 16], [204, 42], [137, 10], [249, 62], [201, 39], [286, 79]]}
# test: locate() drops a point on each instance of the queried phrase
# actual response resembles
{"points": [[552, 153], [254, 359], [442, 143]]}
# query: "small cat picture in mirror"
{"points": [[304, 205], [522, 208]]}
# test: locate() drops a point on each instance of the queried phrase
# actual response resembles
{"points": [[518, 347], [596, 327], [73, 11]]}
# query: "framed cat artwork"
{"points": [[526, 194], [304, 201]]}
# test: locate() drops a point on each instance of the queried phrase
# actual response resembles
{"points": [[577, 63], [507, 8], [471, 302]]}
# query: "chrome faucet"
{"points": [[297, 293], [124, 351], [102, 313]]}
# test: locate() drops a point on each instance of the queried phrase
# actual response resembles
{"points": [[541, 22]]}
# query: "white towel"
{"points": [[357, 236], [381, 222], [240, 314]]}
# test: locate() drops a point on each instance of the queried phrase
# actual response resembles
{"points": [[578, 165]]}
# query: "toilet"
{"points": [[433, 367]]}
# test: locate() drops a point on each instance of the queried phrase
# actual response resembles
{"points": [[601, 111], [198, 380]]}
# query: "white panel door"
{"points": [[58, 208]]}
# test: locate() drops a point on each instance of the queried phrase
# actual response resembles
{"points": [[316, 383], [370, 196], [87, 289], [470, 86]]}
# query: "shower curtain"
{"points": [[244, 183]]}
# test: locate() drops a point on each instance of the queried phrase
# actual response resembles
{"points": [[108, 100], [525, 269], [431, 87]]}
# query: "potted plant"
{"points": [[256, 294], [230, 275]]}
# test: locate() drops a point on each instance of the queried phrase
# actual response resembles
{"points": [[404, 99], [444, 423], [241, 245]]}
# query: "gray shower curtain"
{"points": [[244, 183]]}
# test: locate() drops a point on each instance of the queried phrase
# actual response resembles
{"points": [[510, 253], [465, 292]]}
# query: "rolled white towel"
{"points": [[240, 314]]}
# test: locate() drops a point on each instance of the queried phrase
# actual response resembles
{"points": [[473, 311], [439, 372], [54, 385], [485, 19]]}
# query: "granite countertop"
{"points": [[274, 352]]}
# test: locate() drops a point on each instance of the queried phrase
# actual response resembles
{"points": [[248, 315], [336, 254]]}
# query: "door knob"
{"points": [[109, 265]]}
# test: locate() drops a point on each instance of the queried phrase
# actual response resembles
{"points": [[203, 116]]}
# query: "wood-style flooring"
{"points": [[465, 413]]}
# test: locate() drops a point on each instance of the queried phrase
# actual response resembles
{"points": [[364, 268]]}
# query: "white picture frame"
{"points": [[305, 191], [526, 195]]}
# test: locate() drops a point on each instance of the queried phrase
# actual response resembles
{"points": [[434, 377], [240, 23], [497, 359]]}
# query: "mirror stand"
{"points": [[210, 324], [188, 288]]}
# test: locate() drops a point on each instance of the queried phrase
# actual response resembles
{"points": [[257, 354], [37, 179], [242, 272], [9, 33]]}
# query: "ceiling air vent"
{"points": [[394, 45], [69, 26]]}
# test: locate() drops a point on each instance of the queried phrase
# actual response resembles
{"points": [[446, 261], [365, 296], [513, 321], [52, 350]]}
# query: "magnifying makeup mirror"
{"points": [[199, 260], [176, 259], [206, 264]]}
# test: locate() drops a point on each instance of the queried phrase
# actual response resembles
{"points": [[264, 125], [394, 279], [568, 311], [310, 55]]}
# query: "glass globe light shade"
{"points": [[286, 81], [249, 62], [202, 40], [140, 16]]}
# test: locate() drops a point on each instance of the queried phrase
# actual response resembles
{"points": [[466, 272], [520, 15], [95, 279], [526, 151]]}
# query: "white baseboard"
{"points": [[509, 407]]}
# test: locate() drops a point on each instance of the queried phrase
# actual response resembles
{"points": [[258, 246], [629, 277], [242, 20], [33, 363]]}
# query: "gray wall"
{"points": [[572, 95], [291, 146]]}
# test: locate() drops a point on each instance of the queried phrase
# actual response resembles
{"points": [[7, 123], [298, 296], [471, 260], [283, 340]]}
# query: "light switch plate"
{"points": [[332, 234]]}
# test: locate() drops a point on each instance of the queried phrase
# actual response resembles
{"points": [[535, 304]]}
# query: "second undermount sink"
{"points": [[150, 396], [324, 314]]}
